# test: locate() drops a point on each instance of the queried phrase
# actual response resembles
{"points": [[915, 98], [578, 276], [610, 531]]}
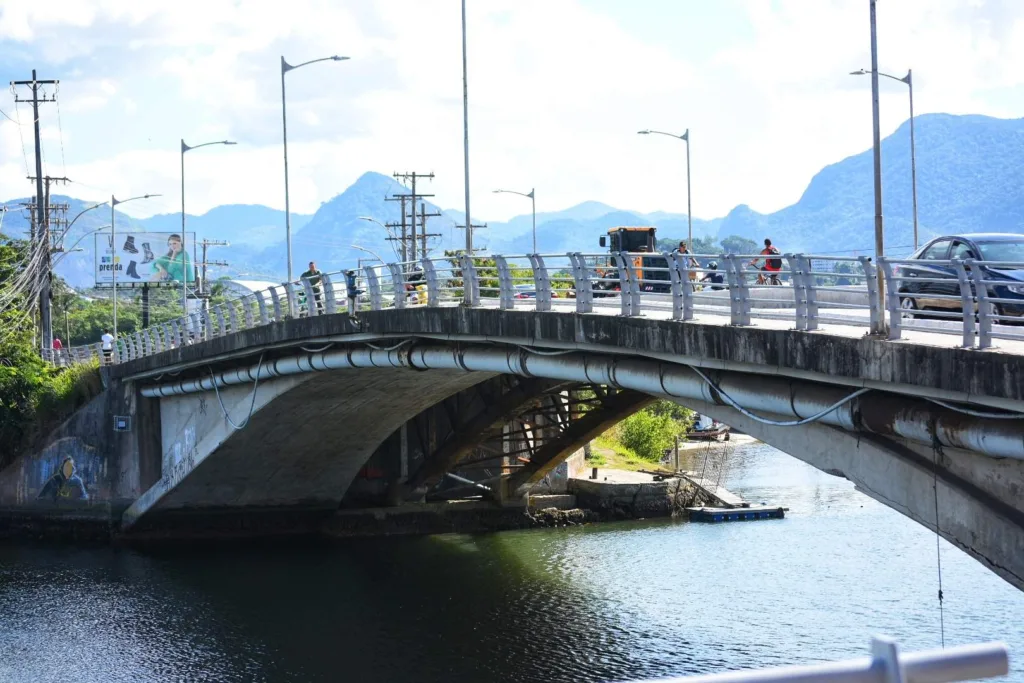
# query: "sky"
{"points": [[557, 90]]}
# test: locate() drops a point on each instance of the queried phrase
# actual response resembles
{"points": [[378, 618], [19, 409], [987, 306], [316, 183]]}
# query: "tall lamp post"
{"points": [[685, 137], [184, 235], [285, 68], [533, 202], [909, 80], [113, 237]]}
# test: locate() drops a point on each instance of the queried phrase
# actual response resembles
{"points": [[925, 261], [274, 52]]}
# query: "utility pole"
{"points": [[409, 237], [423, 227], [205, 244], [39, 234]]}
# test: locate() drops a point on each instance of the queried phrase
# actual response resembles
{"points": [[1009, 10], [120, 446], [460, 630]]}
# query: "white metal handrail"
{"points": [[885, 665], [974, 303]]}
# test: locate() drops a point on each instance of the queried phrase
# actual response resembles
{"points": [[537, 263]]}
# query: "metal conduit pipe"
{"points": [[880, 413]]}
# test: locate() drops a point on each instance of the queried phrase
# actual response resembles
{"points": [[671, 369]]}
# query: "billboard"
{"points": [[152, 258]]}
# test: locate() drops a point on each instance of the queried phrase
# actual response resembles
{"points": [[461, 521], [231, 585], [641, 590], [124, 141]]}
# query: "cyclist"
{"points": [[772, 263], [716, 279]]}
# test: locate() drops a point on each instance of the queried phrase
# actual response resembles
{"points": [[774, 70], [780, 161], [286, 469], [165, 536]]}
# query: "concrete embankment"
{"points": [[617, 494]]}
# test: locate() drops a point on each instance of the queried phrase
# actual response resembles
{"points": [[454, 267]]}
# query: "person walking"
{"points": [[352, 291], [691, 264], [314, 276], [107, 341]]}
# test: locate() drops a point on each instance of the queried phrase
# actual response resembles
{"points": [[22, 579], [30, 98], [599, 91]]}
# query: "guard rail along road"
{"points": [[826, 293]]}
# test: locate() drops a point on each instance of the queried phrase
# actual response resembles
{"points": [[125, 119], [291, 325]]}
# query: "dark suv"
{"points": [[988, 246]]}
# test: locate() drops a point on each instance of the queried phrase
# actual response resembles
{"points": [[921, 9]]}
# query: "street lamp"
{"points": [[285, 68], [184, 235], [909, 80], [65, 252], [685, 137], [113, 236], [533, 202], [368, 251], [391, 236]]}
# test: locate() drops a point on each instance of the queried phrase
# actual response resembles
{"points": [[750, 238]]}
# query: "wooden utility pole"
{"points": [[40, 238]]}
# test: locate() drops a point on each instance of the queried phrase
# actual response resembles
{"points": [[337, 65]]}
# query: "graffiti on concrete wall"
{"points": [[181, 457], [67, 469]]}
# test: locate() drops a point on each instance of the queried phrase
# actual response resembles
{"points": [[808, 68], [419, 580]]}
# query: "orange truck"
{"points": [[634, 240]]}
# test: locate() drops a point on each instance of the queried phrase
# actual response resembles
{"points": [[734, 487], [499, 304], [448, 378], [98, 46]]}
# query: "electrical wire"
{"points": [[252, 404], [21, 133], [9, 118], [60, 129], [978, 413], [776, 423], [390, 348]]}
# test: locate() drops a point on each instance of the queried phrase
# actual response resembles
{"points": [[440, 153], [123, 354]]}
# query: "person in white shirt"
{"points": [[108, 346]]}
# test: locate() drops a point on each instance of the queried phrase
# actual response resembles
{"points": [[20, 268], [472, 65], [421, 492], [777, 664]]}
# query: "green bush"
{"points": [[648, 434]]}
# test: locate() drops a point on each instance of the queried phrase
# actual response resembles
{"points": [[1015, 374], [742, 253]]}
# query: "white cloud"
{"points": [[557, 92]]}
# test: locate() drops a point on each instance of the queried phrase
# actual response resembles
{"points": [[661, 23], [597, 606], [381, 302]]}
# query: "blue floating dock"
{"points": [[739, 514]]}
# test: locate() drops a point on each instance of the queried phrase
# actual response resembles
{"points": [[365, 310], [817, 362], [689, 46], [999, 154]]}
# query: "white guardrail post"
{"points": [[311, 303], [292, 299], [330, 296], [470, 281], [581, 280], [275, 301], [430, 276], [541, 282], [506, 292], [739, 292], [977, 276], [801, 285], [887, 664], [966, 302], [373, 284], [892, 299], [682, 291], [877, 313], [398, 284], [625, 291]]}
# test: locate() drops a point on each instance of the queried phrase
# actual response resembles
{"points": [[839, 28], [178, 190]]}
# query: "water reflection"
{"points": [[605, 602]]}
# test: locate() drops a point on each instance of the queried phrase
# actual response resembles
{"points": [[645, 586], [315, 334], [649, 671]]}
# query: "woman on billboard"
{"points": [[173, 266]]}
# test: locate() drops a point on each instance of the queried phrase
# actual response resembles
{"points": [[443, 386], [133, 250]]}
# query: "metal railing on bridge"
{"points": [[965, 298]]}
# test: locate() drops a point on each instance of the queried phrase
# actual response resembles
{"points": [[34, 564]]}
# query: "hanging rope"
{"points": [[936, 452]]}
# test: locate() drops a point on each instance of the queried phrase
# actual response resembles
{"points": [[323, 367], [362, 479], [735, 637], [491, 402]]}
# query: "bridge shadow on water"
{"points": [[605, 602]]}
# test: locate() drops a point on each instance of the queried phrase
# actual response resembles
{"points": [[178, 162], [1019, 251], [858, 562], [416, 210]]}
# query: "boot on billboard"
{"points": [[131, 271], [129, 245], [148, 252]]}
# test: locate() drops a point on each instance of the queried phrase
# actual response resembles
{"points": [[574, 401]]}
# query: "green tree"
{"points": [[734, 244], [648, 434]]}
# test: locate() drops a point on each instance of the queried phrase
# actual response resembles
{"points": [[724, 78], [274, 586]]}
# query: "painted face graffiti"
{"points": [[64, 484]]}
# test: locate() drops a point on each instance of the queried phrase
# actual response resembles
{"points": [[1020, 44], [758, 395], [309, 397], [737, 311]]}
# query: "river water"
{"points": [[601, 603]]}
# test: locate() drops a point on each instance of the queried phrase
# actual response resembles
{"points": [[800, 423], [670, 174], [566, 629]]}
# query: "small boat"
{"points": [[708, 514], [706, 429]]}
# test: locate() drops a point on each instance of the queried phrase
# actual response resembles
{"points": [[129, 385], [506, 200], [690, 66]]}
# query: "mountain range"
{"points": [[970, 177]]}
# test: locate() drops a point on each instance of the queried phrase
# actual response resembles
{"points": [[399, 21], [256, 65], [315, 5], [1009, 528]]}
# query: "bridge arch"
{"points": [[894, 448]]}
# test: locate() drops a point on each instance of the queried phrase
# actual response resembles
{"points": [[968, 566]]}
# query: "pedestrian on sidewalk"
{"points": [[314, 276], [352, 291], [108, 347]]}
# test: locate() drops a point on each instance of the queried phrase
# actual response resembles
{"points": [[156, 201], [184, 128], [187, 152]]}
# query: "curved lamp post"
{"points": [[184, 235], [533, 202], [909, 81], [285, 68], [685, 137], [113, 236]]}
